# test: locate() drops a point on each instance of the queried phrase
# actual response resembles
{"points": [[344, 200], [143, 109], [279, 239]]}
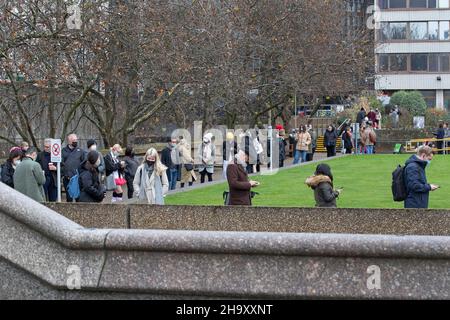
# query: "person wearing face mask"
{"points": [[239, 184], [29, 178], [91, 188], [171, 159], [114, 170], [207, 155], [417, 187], [50, 169], [9, 167], [72, 157], [151, 183], [92, 146]]}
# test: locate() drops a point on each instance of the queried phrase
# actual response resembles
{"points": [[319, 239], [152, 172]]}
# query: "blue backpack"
{"points": [[73, 188]]}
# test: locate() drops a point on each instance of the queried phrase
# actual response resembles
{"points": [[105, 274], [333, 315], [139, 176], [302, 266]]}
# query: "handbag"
{"points": [[120, 181], [110, 183], [189, 166]]}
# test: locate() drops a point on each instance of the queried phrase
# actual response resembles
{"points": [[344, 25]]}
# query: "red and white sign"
{"points": [[56, 150]]}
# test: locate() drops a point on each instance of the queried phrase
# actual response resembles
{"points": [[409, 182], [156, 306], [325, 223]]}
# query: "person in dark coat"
{"points": [[440, 135], [348, 141], [131, 165], [91, 189], [330, 141], [9, 167], [417, 186], [72, 157], [238, 181], [50, 169], [322, 184], [361, 116]]}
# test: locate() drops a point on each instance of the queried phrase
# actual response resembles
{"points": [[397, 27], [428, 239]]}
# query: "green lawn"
{"points": [[366, 181]]}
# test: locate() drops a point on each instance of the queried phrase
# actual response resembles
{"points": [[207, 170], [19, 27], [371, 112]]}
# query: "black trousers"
{"points": [[130, 188], [331, 151], [203, 176]]}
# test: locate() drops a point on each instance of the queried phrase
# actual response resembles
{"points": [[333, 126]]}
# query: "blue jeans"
{"points": [[369, 149], [300, 155], [173, 177]]}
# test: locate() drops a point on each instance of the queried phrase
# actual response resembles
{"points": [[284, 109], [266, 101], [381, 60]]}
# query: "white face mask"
{"points": [[93, 148], [17, 162]]}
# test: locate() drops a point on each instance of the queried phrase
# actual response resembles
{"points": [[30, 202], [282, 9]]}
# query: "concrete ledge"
{"points": [[38, 248], [250, 219]]}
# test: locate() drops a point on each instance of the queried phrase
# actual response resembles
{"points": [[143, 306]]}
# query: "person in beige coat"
{"points": [[151, 182], [303, 142], [187, 176]]}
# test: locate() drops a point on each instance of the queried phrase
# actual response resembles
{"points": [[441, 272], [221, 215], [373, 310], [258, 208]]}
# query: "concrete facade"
{"points": [[43, 255], [433, 80]]}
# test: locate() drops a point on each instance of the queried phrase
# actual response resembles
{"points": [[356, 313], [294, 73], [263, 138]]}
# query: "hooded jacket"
{"points": [[91, 190], [416, 184], [324, 194]]}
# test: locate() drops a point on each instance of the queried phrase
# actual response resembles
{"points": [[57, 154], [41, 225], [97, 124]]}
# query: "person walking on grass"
{"points": [[151, 183], [417, 186], [322, 184], [239, 184]]}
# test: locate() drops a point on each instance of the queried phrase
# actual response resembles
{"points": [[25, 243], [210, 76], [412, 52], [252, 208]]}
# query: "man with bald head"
{"points": [[72, 157]]}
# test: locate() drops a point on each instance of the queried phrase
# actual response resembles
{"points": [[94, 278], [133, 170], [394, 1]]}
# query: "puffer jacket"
{"points": [[324, 194], [416, 184]]}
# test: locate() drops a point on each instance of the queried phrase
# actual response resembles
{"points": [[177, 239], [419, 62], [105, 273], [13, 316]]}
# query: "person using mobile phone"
{"points": [[417, 186], [322, 184]]}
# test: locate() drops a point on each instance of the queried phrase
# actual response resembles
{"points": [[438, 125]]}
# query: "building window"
{"points": [[394, 4], [433, 30], [447, 99], [443, 4], [433, 63], [397, 31], [432, 4], [444, 63], [383, 62], [418, 3], [398, 62], [430, 97], [444, 30], [418, 30], [419, 62]]}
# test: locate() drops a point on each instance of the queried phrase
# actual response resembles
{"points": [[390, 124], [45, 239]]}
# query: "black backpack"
{"points": [[399, 191]]}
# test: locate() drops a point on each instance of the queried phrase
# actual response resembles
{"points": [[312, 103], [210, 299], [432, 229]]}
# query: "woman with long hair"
{"points": [[151, 182]]}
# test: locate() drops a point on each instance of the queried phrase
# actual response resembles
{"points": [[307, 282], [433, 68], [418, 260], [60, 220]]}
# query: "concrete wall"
{"points": [[40, 248], [289, 220]]}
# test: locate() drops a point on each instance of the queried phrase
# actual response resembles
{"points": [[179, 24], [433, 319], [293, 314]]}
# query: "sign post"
{"points": [[56, 157]]}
